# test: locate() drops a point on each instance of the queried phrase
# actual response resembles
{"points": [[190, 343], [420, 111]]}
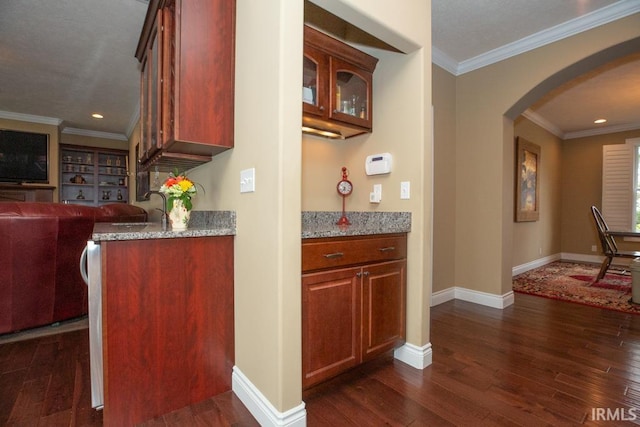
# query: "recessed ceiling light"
{"points": [[97, 116], [600, 121]]}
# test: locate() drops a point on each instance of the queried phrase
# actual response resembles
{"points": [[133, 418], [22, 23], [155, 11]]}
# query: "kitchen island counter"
{"points": [[166, 315]]}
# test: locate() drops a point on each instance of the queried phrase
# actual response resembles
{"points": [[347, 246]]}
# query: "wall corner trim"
{"points": [[414, 356], [260, 407]]}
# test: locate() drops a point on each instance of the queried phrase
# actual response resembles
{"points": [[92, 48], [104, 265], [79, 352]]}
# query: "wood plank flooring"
{"points": [[539, 362]]}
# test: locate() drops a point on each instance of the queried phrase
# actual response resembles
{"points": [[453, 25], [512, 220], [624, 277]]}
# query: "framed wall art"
{"points": [[527, 181]]}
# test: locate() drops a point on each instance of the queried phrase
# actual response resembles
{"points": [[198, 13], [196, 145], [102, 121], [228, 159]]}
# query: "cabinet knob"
{"points": [[358, 274], [365, 274]]}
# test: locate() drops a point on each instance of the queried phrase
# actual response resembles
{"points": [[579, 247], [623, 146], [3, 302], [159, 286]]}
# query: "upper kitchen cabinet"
{"points": [[187, 55], [337, 87]]}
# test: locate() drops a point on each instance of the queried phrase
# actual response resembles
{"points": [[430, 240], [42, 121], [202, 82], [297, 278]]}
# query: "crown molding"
{"points": [[543, 123], [95, 134], [444, 61], [30, 118], [547, 125], [58, 122], [572, 27], [601, 131]]}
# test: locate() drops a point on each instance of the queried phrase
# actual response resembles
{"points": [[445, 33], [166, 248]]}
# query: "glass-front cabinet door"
{"points": [[314, 83], [352, 89], [150, 86]]}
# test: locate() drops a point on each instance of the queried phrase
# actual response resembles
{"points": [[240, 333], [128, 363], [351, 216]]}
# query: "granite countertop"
{"points": [[201, 224], [223, 223], [323, 224]]}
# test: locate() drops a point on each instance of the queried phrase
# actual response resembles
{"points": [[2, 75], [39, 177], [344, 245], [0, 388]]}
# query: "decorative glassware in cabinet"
{"points": [[352, 95]]}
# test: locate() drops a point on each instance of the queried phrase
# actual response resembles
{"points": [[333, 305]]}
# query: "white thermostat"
{"points": [[378, 164]]}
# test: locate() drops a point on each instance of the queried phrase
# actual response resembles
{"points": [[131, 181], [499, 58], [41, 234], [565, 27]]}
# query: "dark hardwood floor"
{"points": [[539, 362]]}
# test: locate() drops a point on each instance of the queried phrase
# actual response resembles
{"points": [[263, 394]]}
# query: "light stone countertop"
{"points": [[315, 224], [201, 224], [323, 224]]}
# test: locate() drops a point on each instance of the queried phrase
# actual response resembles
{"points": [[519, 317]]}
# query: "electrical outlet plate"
{"points": [[376, 195]]}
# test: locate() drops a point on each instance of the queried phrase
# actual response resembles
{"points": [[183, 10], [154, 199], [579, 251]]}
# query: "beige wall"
{"points": [[582, 187], [444, 192], [538, 239], [484, 148]]}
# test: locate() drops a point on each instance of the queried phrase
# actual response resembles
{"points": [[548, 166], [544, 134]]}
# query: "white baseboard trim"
{"points": [[567, 256], [502, 301], [523, 268], [477, 297], [414, 356], [443, 296], [484, 298], [260, 407]]}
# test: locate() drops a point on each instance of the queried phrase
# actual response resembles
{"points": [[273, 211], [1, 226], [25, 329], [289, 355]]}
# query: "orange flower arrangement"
{"points": [[178, 187]]}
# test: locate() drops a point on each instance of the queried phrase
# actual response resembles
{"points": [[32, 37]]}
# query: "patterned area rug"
{"points": [[575, 282]]}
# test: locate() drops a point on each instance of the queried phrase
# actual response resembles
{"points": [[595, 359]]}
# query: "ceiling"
{"points": [[470, 34], [62, 60]]}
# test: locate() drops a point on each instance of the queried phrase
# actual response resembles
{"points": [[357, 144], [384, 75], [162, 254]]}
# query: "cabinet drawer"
{"points": [[318, 254]]}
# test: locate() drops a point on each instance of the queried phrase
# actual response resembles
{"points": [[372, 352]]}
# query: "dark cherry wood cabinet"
{"points": [[167, 320], [337, 86], [353, 302], [187, 52]]}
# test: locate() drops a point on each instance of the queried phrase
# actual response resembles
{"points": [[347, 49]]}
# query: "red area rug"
{"points": [[575, 282]]}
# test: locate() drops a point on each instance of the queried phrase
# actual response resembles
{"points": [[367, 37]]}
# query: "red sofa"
{"points": [[40, 249]]}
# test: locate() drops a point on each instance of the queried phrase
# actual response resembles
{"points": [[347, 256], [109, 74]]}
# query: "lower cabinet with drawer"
{"points": [[353, 302]]}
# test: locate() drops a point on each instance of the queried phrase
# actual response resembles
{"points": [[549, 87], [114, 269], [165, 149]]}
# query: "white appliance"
{"points": [[92, 275]]}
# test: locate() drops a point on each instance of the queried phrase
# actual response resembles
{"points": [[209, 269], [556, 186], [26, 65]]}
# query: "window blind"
{"points": [[617, 186]]}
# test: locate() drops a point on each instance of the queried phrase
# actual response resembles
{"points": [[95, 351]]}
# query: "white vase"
{"points": [[179, 216]]}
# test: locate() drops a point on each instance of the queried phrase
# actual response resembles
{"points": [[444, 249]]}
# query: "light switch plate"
{"points": [[248, 180], [405, 190]]}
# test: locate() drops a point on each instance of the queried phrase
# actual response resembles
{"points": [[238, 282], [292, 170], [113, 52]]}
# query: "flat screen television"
{"points": [[24, 157]]}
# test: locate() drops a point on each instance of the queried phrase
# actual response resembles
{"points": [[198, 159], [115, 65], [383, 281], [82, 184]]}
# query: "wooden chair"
{"points": [[608, 243]]}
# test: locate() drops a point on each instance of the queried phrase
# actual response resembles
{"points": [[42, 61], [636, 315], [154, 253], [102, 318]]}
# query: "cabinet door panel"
{"points": [[355, 94], [155, 91], [383, 317], [330, 323], [315, 88], [167, 332]]}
